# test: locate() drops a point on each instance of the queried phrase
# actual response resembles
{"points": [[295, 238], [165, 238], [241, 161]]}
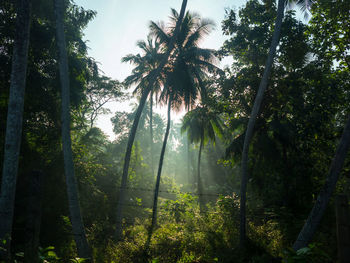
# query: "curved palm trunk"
{"points": [[252, 119], [156, 190], [321, 203], [199, 181], [14, 119], [72, 189], [151, 131], [121, 199], [118, 232]]}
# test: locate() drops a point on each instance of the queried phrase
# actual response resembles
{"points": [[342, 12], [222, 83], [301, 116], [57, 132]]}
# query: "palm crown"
{"points": [[188, 63], [145, 64]]}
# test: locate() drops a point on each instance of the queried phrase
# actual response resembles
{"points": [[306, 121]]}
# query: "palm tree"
{"points": [[305, 5], [72, 189], [188, 65], [14, 119], [201, 125], [150, 80], [144, 65]]}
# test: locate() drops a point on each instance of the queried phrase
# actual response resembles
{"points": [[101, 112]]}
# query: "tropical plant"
{"points": [[145, 64], [202, 125], [330, 37], [151, 80], [188, 65], [256, 108]]}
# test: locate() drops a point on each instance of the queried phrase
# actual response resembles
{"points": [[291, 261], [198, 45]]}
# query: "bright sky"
{"points": [[119, 24]]}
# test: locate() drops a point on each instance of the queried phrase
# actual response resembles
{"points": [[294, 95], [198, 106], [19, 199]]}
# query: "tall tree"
{"points": [[188, 65], [72, 188], [14, 119], [201, 125], [256, 109], [152, 79], [145, 64], [329, 28]]}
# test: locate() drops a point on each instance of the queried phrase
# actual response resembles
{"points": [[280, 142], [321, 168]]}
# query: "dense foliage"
{"points": [[298, 128]]}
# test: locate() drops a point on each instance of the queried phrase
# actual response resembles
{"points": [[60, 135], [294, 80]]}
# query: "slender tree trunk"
{"points": [[14, 120], [122, 191], [118, 232], [199, 181], [72, 188], [156, 190], [252, 119], [321, 203], [151, 131]]}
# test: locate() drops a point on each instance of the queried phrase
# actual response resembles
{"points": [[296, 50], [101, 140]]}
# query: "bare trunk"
{"points": [[151, 131], [156, 190], [14, 120], [322, 201], [72, 189], [122, 191], [118, 232], [252, 119]]}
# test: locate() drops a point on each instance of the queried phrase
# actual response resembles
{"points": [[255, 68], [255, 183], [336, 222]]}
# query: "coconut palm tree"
{"points": [[72, 188], [201, 125], [145, 64], [14, 119], [305, 5], [188, 65], [151, 79]]}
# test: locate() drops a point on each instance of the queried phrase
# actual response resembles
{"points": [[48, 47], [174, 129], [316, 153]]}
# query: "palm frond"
{"points": [[158, 31], [204, 27]]}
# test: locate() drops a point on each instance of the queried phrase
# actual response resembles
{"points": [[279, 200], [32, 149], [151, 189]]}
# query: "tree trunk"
{"points": [[156, 73], [122, 191], [321, 203], [151, 131], [156, 190], [199, 181], [14, 120], [72, 189], [252, 119]]}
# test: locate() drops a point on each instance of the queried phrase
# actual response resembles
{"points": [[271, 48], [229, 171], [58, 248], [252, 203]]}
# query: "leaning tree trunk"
{"points": [[321, 203], [14, 119], [122, 191], [199, 181], [155, 74], [72, 189], [252, 119], [156, 190]]}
